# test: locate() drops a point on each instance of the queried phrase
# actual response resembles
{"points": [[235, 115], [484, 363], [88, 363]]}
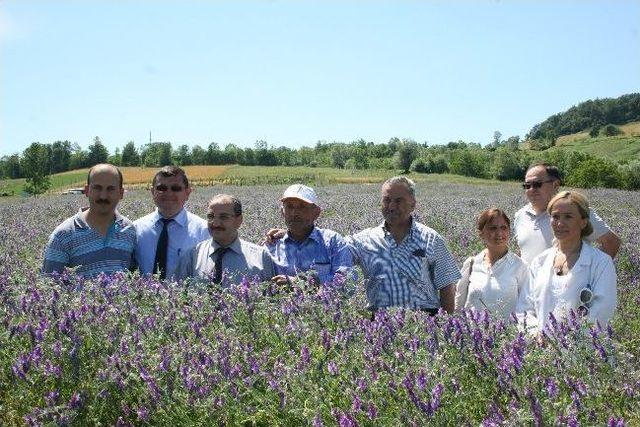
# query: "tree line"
{"points": [[502, 159]]}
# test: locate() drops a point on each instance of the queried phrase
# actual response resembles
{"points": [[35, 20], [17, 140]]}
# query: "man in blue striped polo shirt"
{"points": [[405, 263], [97, 239]]}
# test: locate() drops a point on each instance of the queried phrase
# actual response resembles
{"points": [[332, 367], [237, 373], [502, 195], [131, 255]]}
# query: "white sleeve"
{"points": [[526, 304], [603, 286], [600, 228]]}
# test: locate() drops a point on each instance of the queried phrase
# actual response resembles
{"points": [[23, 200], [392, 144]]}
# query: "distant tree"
{"points": [[116, 158], [630, 174], [406, 152], [497, 137], [595, 131], [214, 155], [419, 165], [469, 163], [263, 155], [36, 163], [611, 130], [198, 155], [182, 156], [156, 154], [130, 156], [513, 143], [506, 165], [79, 157], [11, 167], [98, 153], [60, 156], [339, 155], [595, 172]]}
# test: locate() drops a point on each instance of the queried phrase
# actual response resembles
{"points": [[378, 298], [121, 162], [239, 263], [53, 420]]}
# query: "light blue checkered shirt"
{"points": [[409, 274]]}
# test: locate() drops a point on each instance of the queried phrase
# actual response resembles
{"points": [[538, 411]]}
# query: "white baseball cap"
{"points": [[302, 192]]}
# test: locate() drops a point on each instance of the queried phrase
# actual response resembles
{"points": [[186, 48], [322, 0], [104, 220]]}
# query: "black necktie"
{"points": [[217, 278], [160, 265]]}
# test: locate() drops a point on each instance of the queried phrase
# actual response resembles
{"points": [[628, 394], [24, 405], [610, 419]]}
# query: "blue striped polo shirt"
{"points": [[75, 245]]}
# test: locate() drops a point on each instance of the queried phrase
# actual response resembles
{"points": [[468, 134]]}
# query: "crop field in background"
{"points": [[133, 351], [140, 177]]}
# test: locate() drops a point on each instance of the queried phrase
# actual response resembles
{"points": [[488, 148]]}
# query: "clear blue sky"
{"points": [[295, 72]]}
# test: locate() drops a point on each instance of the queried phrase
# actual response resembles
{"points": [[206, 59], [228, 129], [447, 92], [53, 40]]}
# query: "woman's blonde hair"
{"points": [[581, 203]]}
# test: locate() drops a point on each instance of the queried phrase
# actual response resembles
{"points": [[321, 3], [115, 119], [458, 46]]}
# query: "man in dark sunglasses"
{"points": [[168, 232], [532, 223]]}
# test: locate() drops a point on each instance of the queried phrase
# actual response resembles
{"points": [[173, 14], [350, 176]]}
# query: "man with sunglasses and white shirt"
{"points": [[170, 231], [532, 223]]}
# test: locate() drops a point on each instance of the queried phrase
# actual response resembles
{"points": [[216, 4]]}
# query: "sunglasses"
{"points": [[586, 297], [174, 188], [534, 184]]}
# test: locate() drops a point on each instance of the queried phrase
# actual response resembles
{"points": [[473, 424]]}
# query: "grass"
{"points": [[140, 177], [618, 148]]}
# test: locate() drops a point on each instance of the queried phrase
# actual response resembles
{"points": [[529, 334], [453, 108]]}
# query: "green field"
{"points": [[250, 175]]}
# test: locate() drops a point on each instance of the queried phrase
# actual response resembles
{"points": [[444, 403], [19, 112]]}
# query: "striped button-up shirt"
{"points": [[76, 245], [409, 274]]}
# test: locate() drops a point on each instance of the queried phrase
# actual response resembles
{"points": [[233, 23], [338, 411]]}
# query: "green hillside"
{"points": [[623, 147]]}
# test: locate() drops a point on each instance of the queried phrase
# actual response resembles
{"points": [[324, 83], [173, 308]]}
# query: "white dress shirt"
{"points": [[243, 259], [544, 294], [185, 231], [496, 287]]}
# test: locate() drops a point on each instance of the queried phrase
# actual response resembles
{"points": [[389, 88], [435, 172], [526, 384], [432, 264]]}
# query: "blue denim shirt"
{"points": [[324, 251]]}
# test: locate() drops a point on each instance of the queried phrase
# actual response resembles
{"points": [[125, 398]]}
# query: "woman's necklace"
{"points": [[562, 268]]}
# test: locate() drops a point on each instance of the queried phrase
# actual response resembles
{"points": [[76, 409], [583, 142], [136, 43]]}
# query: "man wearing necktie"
{"points": [[168, 232], [225, 258]]}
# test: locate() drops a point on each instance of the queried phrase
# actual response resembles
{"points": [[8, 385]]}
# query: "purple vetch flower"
{"points": [[317, 421], [143, 414], [51, 398], [372, 411], [305, 355], [616, 422], [75, 402], [356, 404], [332, 367], [551, 387], [436, 396], [536, 409], [422, 379]]}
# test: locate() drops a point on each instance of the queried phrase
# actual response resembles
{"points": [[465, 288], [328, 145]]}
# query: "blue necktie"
{"points": [[160, 264]]}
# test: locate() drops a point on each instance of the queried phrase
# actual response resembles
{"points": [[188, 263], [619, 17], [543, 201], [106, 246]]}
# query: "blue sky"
{"points": [[295, 72]]}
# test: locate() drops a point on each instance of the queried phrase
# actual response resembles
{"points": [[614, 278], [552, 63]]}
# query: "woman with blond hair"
{"points": [[492, 279], [572, 275]]}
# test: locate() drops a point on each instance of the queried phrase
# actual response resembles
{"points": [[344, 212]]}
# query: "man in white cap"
{"points": [[306, 251]]}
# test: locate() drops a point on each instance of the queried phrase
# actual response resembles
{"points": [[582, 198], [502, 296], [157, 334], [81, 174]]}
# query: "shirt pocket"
{"points": [[323, 270]]}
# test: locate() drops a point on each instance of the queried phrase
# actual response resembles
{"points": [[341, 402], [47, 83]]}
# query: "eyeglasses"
{"points": [[586, 297], [535, 184], [221, 217], [174, 188]]}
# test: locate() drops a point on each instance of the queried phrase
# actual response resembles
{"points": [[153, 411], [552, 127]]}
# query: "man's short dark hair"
{"points": [[552, 171], [169, 171], [100, 166]]}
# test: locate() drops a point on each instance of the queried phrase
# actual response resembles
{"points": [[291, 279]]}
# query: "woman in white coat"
{"points": [[572, 275], [492, 279]]}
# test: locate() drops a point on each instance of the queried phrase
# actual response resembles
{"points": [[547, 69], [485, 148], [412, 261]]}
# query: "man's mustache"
{"points": [[103, 202]]}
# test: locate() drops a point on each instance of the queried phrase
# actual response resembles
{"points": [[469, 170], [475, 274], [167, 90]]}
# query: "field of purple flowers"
{"points": [[125, 350]]}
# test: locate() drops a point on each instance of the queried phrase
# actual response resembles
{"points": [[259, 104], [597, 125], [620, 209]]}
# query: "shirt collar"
{"points": [[235, 246], [79, 222], [314, 235], [413, 227], [180, 218], [531, 212]]}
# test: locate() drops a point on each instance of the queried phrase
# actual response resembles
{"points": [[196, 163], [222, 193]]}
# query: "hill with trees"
{"points": [[592, 114]]}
